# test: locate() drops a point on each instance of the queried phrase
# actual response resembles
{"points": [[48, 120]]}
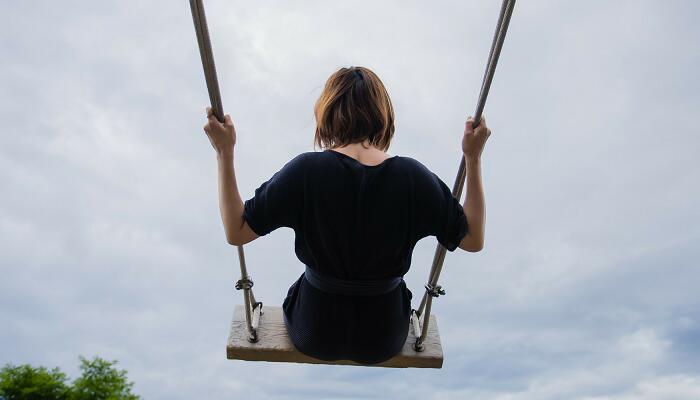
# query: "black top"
{"points": [[354, 222]]}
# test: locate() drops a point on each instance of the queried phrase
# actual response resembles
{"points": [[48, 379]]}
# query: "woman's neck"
{"points": [[363, 152]]}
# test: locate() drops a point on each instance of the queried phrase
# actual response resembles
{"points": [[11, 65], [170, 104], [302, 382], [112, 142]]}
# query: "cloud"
{"points": [[110, 239]]}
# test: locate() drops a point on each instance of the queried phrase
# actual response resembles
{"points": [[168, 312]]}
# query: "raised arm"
{"points": [[474, 204], [223, 139]]}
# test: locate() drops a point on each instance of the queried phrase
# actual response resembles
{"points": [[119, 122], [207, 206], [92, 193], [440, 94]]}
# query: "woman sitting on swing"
{"points": [[357, 214]]}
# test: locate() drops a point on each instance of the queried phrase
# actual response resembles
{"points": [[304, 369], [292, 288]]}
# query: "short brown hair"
{"points": [[353, 107]]}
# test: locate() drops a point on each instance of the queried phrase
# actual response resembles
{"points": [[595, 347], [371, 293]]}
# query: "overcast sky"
{"points": [[111, 242]]}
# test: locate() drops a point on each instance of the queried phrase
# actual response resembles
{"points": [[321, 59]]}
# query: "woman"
{"points": [[357, 214]]}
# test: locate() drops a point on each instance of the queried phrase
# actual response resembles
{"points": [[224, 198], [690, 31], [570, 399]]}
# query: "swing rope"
{"points": [[432, 288], [253, 308]]}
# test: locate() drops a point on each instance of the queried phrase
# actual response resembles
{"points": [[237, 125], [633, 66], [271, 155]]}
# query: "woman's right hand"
{"points": [[221, 135], [474, 140]]}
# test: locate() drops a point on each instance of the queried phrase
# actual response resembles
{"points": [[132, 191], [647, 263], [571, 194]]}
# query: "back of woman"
{"points": [[357, 214], [354, 222]]}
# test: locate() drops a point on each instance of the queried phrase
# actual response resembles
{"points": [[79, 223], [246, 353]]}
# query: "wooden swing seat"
{"points": [[274, 344]]}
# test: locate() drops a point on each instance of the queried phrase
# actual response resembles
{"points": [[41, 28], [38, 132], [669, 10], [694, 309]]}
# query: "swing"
{"points": [[262, 336]]}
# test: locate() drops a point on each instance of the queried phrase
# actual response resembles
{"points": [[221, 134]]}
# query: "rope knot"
{"points": [[244, 283], [434, 291]]}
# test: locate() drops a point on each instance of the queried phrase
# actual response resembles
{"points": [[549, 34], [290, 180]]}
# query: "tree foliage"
{"points": [[25, 382], [99, 380]]}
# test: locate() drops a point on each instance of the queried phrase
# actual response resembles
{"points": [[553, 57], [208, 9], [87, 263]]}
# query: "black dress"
{"points": [[354, 222]]}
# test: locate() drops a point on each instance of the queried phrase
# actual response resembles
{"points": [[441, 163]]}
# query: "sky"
{"points": [[111, 243]]}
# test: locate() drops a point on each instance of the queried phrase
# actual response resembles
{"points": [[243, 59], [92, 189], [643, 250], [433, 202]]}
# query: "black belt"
{"points": [[333, 285]]}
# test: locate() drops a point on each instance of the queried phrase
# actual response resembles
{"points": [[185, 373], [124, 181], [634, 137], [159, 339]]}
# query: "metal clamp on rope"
{"points": [[434, 291], [244, 283]]}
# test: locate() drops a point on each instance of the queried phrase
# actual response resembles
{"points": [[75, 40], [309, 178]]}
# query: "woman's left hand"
{"points": [[221, 136]]}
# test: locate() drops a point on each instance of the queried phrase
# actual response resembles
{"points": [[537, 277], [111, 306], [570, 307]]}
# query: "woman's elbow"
{"points": [[471, 244], [477, 248], [242, 236], [233, 240]]}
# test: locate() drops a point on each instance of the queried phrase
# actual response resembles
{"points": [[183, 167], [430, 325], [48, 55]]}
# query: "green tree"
{"points": [[25, 382], [101, 381]]}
